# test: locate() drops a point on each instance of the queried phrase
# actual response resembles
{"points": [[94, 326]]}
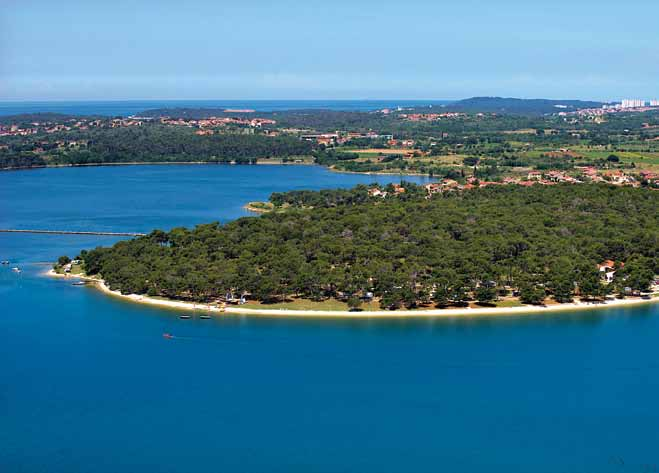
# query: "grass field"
{"points": [[523, 131], [306, 304], [76, 269], [260, 206], [642, 159], [377, 151], [300, 304], [508, 303]]}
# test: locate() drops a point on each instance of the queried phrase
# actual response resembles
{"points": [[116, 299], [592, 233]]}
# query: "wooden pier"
{"points": [[68, 232]]}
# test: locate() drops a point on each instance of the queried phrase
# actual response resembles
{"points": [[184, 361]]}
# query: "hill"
{"points": [[520, 106]]}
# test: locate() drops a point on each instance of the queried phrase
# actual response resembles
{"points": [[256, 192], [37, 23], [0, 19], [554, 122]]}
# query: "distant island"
{"points": [[401, 247]]}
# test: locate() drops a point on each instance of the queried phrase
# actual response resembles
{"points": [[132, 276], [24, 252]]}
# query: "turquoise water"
{"points": [[132, 107], [88, 384]]}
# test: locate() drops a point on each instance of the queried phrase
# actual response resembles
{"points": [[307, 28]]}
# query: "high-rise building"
{"points": [[632, 103]]}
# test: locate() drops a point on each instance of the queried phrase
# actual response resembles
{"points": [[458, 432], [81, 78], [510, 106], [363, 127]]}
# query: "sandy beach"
{"points": [[461, 312]]}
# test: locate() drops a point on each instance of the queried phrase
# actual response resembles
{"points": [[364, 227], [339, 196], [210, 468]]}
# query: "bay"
{"points": [[133, 107], [88, 383]]}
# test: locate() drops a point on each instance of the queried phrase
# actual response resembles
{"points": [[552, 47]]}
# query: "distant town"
{"points": [[627, 105], [472, 143]]}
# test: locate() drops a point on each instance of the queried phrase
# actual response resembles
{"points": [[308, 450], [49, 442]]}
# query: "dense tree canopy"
{"points": [[154, 143], [473, 245]]}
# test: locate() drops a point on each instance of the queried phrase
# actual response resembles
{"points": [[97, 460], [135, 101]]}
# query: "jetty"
{"points": [[73, 232]]}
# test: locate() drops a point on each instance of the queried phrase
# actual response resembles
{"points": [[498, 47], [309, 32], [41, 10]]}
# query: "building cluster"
{"points": [[85, 124], [626, 105], [430, 117], [549, 178], [632, 103], [377, 192], [73, 124], [213, 122], [342, 137], [15, 130]]}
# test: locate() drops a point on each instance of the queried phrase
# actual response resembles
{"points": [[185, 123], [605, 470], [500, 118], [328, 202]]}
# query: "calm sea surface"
{"points": [[88, 384], [132, 107]]}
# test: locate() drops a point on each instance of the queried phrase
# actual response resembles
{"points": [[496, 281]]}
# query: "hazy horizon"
{"points": [[312, 99], [293, 50]]}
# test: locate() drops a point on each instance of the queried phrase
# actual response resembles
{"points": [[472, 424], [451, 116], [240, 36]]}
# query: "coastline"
{"points": [[197, 163], [156, 163], [421, 313], [259, 210], [380, 173]]}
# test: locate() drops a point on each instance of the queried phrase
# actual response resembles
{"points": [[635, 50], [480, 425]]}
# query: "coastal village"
{"points": [[458, 158], [550, 178], [203, 125]]}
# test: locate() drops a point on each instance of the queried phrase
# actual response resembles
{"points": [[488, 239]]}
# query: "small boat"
{"points": [[185, 316], [167, 335], [5, 261], [79, 283], [16, 270], [205, 316]]}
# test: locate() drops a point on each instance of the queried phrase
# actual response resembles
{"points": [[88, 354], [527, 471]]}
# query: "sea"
{"points": [[89, 384], [134, 107]]}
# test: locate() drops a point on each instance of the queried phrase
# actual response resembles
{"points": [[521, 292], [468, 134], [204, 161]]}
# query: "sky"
{"points": [[333, 49]]}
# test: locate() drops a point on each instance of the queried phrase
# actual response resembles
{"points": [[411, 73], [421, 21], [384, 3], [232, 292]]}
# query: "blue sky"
{"points": [[280, 49]]}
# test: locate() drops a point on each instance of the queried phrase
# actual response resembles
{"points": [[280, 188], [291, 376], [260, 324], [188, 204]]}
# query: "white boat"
{"points": [[16, 270]]}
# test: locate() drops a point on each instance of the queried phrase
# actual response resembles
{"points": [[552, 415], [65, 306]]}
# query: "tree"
{"points": [[391, 300], [485, 294], [354, 303], [637, 274], [442, 295], [63, 260], [408, 297], [589, 282], [560, 280], [530, 293]]}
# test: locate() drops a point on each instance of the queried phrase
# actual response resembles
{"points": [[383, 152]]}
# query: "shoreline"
{"points": [[99, 284], [381, 173], [156, 163], [259, 210], [197, 163]]}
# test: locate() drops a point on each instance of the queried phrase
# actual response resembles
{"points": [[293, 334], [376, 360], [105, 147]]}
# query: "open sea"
{"points": [[88, 383], [134, 107]]}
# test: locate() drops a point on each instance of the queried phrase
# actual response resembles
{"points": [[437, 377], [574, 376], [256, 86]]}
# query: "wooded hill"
{"points": [[517, 106]]}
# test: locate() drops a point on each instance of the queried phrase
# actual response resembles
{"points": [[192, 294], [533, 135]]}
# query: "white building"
{"points": [[632, 103], [654, 103]]}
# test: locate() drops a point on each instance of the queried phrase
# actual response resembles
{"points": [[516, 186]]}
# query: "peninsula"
{"points": [[401, 248]]}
